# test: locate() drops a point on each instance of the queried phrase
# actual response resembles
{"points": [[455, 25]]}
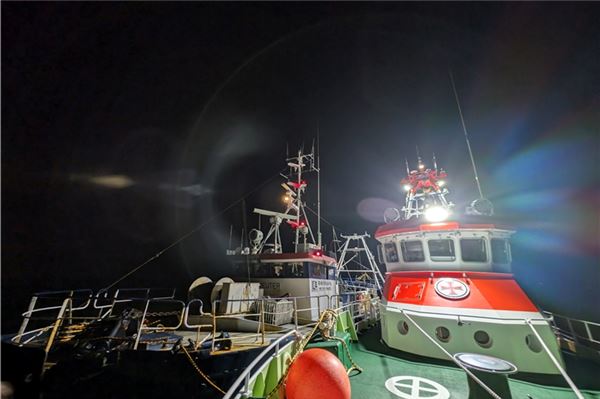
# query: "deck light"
{"points": [[436, 214]]}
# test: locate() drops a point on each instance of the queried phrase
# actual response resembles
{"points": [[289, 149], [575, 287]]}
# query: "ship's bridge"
{"points": [[451, 245]]}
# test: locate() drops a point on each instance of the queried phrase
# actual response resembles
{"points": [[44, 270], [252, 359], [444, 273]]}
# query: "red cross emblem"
{"points": [[451, 288]]}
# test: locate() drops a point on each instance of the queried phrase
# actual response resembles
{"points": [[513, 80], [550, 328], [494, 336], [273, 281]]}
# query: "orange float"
{"points": [[315, 374]]}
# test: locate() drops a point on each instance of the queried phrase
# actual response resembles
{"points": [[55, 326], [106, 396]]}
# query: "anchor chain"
{"points": [[205, 376]]}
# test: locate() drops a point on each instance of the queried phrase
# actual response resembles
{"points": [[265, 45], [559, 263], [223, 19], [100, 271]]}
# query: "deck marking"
{"points": [[451, 288], [409, 387]]}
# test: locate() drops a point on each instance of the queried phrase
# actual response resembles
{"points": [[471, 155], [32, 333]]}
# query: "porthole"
{"points": [[443, 334], [533, 343], [403, 327], [483, 339]]}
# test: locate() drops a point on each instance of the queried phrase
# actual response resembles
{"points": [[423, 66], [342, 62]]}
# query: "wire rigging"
{"points": [[462, 120], [325, 220], [194, 230]]}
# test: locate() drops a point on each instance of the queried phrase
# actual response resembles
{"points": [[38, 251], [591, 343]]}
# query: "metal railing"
{"points": [[257, 364], [199, 326], [241, 386], [92, 307], [104, 304], [179, 312], [360, 305], [309, 309], [581, 332], [244, 308], [65, 306]]}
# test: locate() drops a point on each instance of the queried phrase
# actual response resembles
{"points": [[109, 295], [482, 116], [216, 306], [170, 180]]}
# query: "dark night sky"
{"points": [[192, 104]]}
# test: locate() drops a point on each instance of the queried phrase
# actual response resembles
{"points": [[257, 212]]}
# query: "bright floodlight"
{"points": [[407, 187], [436, 214]]}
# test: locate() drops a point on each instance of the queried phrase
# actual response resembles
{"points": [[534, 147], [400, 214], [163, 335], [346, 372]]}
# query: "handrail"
{"points": [[198, 326], [143, 328], [187, 314], [571, 333], [250, 373], [116, 298], [28, 315], [29, 312], [245, 377], [52, 294], [260, 331], [467, 317]]}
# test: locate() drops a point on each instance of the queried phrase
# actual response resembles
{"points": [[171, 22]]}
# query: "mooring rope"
{"points": [[556, 363], [469, 372]]}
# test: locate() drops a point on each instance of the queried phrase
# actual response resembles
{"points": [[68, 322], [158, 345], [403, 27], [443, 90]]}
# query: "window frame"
{"points": [[393, 245], [485, 249], [402, 250], [506, 248], [440, 258]]}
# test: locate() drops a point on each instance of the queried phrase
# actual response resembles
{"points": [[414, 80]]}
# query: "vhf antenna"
{"points": [[462, 120]]}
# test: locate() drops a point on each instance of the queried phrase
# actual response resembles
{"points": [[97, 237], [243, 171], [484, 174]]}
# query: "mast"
{"points": [[295, 213], [298, 199], [318, 169]]}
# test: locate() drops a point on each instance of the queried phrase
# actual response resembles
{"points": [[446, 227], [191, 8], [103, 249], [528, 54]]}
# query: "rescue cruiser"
{"points": [[451, 277]]}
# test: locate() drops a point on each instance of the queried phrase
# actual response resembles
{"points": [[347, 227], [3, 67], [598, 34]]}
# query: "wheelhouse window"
{"points": [[331, 273], [473, 250], [441, 250], [295, 270], [317, 271], [500, 250], [380, 253], [412, 251], [391, 253]]}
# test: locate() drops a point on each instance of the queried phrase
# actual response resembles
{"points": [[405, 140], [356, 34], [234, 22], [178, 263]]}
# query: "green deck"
{"points": [[381, 363]]}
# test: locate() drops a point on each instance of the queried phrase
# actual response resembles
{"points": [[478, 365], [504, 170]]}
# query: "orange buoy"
{"points": [[315, 374]]}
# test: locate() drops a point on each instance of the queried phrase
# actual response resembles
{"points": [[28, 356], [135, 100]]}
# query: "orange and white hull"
{"points": [[476, 312]]}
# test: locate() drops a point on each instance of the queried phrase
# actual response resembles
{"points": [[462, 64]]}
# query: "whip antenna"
{"points": [[462, 120]]}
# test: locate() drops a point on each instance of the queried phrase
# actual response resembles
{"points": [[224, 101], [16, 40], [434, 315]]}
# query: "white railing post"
{"points": [[26, 318], [139, 334], [296, 312]]}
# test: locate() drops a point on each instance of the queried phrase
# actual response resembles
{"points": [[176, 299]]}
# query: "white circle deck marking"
{"points": [[451, 288], [408, 387]]}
